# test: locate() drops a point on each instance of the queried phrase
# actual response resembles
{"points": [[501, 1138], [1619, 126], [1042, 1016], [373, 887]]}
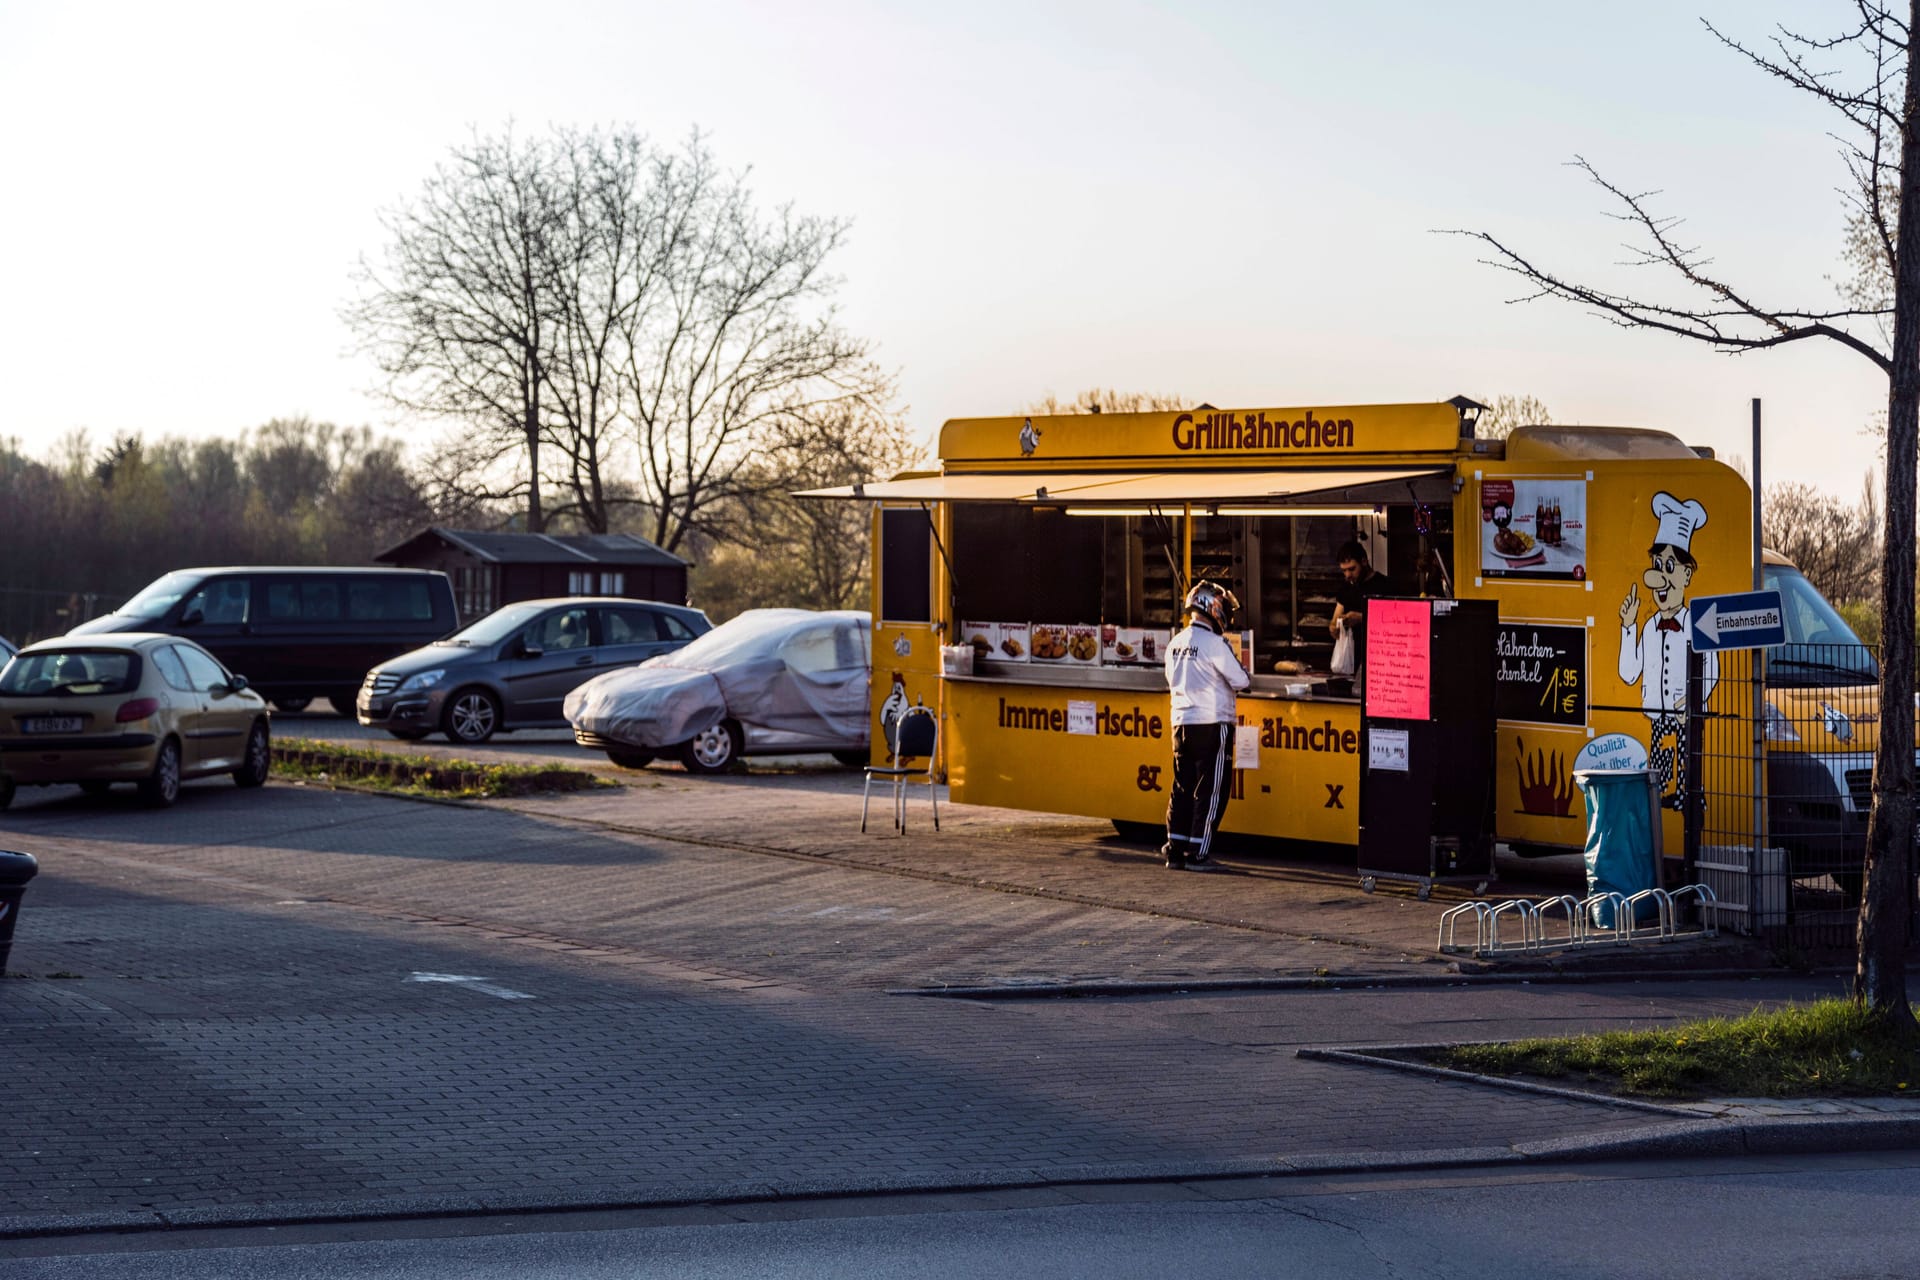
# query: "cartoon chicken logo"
{"points": [[890, 709], [1029, 438]]}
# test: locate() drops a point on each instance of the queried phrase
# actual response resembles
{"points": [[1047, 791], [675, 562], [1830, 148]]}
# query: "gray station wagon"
{"points": [[513, 668]]}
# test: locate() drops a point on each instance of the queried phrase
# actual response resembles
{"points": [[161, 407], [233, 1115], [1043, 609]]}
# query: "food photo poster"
{"points": [[1534, 528]]}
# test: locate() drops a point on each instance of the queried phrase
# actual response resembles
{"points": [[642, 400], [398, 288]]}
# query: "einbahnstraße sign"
{"points": [[1744, 620]]}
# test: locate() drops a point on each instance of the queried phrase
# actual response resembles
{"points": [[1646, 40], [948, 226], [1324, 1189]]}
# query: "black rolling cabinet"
{"points": [[1426, 777]]}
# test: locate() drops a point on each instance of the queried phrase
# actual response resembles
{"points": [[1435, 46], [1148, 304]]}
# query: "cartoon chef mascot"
{"points": [[1655, 655]]}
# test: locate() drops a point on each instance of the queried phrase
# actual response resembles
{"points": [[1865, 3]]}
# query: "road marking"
{"points": [[473, 984]]}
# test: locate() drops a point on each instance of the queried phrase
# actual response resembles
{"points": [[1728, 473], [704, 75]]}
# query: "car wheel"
{"points": [[1139, 832], [629, 759], [95, 787], [162, 787], [258, 761], [471, 716], [854, 759], [292, 706], [715, 751], [407, 735]]}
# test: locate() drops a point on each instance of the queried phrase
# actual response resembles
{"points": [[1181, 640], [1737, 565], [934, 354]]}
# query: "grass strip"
{"points": [[1824, 1049], [305, 760]]}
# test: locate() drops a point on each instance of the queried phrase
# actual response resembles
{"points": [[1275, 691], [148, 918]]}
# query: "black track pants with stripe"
{"points": [[1202, 777]]}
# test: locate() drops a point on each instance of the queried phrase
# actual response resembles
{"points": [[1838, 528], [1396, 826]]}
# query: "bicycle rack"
{"points": [[1616, 903], [1704, 896], [1579, 914], [1662, 914], [1522, 907], [1450, 921], [1569, 907]]}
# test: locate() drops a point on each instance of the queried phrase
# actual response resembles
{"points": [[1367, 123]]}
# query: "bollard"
{"points": [[15, 870]]}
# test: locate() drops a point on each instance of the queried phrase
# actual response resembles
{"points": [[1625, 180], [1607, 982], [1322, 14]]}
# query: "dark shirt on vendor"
{"points": [[1353, 597]]}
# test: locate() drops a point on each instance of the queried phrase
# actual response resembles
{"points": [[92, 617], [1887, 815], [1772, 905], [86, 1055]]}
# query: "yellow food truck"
{"points": [[1026, 590]]}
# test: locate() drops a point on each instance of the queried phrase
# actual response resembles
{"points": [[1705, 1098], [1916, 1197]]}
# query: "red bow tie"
{"points": [[1669, 624]]}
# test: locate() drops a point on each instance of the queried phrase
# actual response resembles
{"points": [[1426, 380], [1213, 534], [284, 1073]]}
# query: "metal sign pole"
{"points": [[1758, 755], [1693, 798]]}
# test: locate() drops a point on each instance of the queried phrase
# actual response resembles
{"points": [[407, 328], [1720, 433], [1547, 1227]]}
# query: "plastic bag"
{"points": [[1343, 652]]}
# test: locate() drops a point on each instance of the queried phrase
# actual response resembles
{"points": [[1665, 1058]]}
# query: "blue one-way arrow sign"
{"points": [[1747, 620]]}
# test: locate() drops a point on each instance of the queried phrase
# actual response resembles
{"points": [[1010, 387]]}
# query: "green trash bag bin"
{"points": [[1620, 853]]}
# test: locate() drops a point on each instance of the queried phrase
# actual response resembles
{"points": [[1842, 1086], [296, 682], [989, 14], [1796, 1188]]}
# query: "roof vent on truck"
{"points": [[1469, 411]]}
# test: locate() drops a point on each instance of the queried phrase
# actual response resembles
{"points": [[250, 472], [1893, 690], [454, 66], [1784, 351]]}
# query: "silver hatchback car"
{"points": [[513, 668]]}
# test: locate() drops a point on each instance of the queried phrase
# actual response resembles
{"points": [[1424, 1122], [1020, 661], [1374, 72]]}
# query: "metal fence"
{"points": [[28, 613], [1779, 781]]}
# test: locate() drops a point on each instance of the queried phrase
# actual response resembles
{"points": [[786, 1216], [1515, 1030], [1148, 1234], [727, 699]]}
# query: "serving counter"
{"points": [[1097, 741], [1305, 687]]}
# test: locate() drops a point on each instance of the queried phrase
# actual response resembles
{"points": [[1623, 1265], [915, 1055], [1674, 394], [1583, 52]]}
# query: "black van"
{"points": [[296, 633]]}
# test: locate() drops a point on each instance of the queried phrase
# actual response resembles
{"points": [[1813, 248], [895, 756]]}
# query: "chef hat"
{"points": [[1678, 520]]}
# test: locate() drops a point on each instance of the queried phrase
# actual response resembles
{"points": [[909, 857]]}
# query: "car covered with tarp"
{"points": [[768, 682]]}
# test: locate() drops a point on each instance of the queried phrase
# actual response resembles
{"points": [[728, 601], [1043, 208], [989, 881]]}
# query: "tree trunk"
{"points": [[1880, 979], [536, 519]]}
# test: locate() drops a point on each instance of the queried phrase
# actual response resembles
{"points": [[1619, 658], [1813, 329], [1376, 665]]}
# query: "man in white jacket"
{"points": [[1203, 677]]}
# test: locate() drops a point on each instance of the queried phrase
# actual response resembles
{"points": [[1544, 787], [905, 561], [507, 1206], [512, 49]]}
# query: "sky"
{"points": [[1230, 203]]}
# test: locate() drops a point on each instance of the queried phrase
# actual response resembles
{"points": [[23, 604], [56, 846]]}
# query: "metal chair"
{"points": [[912, 736]]}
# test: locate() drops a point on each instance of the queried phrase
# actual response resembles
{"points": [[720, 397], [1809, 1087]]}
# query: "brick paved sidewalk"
{"points": [[244, 1005], [1295, 894]]}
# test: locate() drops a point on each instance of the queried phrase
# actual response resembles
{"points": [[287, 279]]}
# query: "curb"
{"points": [[1332, 982], [1724, 1135], [1372, 1056], [1693, 1137]]}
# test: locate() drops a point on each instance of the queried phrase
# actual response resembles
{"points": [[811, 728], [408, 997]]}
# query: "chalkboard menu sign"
{"points": [[1540, 673]]}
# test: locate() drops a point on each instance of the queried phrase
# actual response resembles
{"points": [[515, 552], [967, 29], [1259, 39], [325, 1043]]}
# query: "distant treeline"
{"points": [[1836, 543], [94, 523], [86, 527]]}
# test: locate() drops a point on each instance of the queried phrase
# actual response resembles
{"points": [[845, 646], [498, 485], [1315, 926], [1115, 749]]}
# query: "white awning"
{"points": [[1161, 488], [1030, 486], [1278, 488]]}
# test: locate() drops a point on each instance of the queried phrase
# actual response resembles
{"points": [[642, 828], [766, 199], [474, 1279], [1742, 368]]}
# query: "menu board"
{"points": [[1540, 673], [1399, 672]]}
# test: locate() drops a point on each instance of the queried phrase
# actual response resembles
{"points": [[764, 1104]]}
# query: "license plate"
{"points": [[51, 724]]}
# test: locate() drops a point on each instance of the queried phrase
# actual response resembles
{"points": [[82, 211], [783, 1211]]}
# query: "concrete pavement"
{"points": [[299, 1003]]}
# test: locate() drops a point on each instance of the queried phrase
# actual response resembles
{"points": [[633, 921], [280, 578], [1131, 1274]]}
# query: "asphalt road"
{"points": [[300, 997], [1828, 1216]]}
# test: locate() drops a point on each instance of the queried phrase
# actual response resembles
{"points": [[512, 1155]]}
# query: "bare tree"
{"points": [[459, 315], [1504, 413], [732, 334], [806, 552], [599, 261], [1866, 75], [1834, 542], [609, 321], [1109, 400]]}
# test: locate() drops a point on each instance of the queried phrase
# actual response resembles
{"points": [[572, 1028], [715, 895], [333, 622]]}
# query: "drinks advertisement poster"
{"points": [[1534, 527]]}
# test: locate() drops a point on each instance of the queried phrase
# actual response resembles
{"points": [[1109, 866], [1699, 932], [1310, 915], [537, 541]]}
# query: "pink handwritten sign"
{"points": [[1399, 676]]}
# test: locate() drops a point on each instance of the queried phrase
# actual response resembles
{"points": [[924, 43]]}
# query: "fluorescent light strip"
{"points": [[1296, 511], [1227, 511]]}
